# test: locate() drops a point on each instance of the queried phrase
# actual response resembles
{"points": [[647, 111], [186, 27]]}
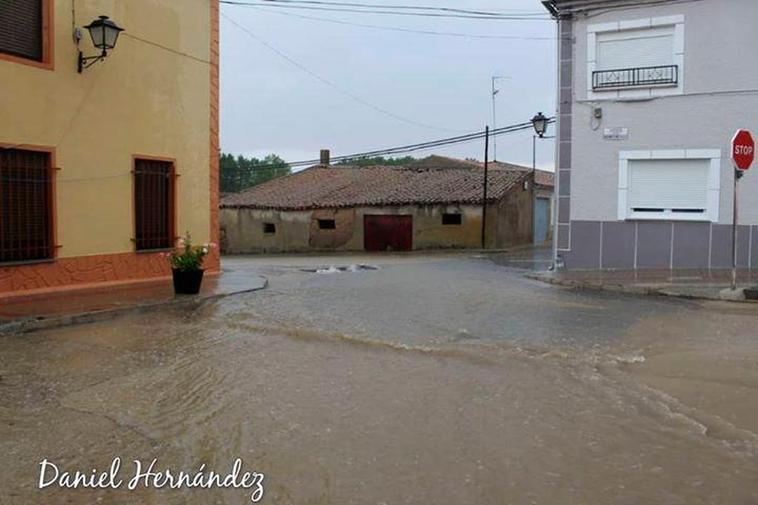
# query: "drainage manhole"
{"points": [[332, 269]]}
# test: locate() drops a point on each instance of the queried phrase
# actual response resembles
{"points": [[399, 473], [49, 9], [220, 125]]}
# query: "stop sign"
{"points": [[743, 150]]}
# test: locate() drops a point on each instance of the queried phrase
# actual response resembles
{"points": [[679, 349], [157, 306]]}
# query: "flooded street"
{"points": [[432, 379]]}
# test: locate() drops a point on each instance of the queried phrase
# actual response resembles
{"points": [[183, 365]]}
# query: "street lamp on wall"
{"points": [[540, 124], [104, 34]]}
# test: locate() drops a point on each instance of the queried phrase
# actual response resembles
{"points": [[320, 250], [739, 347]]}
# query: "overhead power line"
{"points": [[166, 48], [640, 4], [403, 30], [460, 139], [331, 84], [441, 142], [409, 7], [385, 11]]}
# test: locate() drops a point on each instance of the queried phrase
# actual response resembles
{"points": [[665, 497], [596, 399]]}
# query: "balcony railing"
{"points": [[635, 77]]}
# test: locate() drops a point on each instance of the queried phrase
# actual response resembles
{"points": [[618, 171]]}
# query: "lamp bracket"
{"points": [[88, 61]]}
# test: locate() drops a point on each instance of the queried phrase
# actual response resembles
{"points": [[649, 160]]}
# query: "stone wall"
{"points": [[244, 230]]}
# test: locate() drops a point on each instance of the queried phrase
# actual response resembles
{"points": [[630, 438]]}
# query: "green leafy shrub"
{"points": [[187, 257]]}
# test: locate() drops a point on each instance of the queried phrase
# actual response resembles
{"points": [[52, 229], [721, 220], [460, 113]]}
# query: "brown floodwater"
{"points": [[426, 381]]}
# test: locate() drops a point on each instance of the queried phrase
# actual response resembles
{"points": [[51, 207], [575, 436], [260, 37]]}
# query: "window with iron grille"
{"points": [[153, 204], [25, 205], [21, 25]]}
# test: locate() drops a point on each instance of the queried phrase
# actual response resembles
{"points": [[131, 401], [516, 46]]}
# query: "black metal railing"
{"points": [[635, 77]]}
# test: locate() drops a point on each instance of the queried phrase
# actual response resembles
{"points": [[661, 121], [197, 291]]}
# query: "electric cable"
{"points": [[503, 17], [331, 84], [414, 147], [403, 30]]}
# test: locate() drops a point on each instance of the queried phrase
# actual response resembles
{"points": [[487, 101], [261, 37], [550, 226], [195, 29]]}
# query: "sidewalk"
{"points": [[33, 312], [529, 257], [693, 284]]}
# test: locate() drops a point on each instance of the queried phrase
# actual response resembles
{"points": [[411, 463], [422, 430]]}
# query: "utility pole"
{"points": [[484, 196]]}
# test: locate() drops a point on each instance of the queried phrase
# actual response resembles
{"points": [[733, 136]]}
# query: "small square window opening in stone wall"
{"points": [[269, 228], [452, 219], [327, 224]]}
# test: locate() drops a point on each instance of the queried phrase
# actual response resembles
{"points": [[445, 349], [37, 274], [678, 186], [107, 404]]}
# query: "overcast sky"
{"points": [[270, 105]]}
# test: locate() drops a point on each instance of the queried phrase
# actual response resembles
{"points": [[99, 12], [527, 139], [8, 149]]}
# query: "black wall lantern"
{"points": [[540, 124], [104, 33]]}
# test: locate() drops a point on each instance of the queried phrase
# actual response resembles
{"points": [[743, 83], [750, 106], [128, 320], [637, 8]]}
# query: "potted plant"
{"points": [[186, 264]]}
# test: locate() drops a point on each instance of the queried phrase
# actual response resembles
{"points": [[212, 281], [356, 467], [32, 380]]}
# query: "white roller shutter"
{"points": [[669, 185], [635, 49]]}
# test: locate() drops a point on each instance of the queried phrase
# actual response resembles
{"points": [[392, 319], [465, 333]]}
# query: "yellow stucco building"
{"points": [[101, 170]]}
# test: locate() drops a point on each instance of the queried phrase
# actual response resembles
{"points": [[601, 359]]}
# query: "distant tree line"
{"points": [[237, 173]]}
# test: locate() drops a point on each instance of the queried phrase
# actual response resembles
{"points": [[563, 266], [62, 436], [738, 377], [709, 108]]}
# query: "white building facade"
{"points": [[650, 95]]}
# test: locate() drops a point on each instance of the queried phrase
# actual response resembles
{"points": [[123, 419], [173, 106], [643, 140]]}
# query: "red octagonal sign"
{"points": [[743, 150]]}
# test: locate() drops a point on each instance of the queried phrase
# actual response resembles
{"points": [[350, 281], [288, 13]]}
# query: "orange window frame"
{"points": [[48, 37]]}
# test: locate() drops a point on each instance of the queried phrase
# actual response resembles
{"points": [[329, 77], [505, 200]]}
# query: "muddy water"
{"points": [[434, 381]]}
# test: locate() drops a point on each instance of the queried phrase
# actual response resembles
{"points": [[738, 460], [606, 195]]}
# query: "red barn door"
{"points": [[388, 233]]}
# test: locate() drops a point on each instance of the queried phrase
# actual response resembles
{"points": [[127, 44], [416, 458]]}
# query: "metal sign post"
{"points": [[737, 177], [743, 154]]}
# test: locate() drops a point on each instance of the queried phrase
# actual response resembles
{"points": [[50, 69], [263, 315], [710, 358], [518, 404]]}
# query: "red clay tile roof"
{"points": [[348, 186], [545, 178], [436, 161], [542, 177]]}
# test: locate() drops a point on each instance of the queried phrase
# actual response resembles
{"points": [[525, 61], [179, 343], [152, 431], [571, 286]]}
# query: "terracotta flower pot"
{"points": [[187, 282]]}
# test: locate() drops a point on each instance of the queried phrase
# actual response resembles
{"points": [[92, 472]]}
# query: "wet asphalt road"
{"points": [[445, 298], [440, 378]]}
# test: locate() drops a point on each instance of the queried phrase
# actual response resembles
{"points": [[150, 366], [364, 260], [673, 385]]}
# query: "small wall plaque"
{"points": [[616, 133]]}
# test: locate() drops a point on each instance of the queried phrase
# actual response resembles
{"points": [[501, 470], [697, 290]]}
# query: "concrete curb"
{"points": [[27, 325], [616, 288], [667, 291]]}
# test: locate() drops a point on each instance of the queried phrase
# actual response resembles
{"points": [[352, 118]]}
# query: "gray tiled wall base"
{"points": [[641, 244]]}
